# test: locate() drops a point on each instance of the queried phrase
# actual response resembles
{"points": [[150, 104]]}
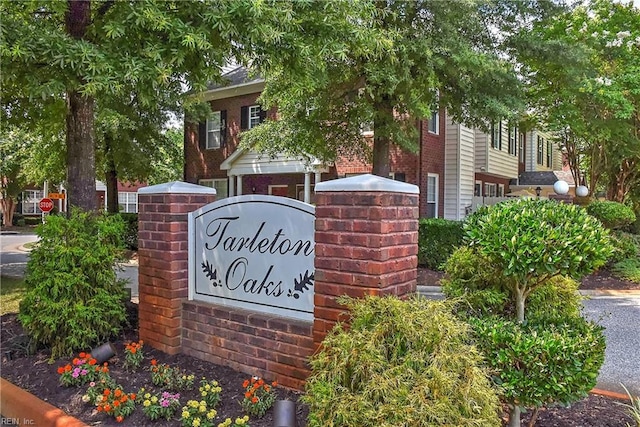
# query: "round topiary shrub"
{"points": [[74, 299], [613, 215], [400, 363]]}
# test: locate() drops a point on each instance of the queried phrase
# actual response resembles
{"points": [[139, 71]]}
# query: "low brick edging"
{"points": [[611, 394], [16, 403], [273, 347]]}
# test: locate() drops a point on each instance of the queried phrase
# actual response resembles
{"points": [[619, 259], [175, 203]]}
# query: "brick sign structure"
{"points": [[366, 236]]}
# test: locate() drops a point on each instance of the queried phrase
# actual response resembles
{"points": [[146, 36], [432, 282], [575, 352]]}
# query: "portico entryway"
{"points": [[243, 163]]}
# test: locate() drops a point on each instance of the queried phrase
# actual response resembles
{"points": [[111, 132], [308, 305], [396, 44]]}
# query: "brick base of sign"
{"points": [[256, 344]]}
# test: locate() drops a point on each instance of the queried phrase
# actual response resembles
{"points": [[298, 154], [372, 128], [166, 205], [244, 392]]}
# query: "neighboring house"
{"points": [[453, 163], [127, 198]]}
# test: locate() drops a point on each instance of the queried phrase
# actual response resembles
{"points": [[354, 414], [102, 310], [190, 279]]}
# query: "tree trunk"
{"points": [[111, 177], [514, 416], [381, 140], [520, 299], [8, 208], [80, 138]]}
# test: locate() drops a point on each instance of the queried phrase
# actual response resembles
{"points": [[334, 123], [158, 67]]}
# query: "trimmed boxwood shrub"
{"points": [[437, 239], [130, 230], [613, 215], [400, 363], [74, 299]]}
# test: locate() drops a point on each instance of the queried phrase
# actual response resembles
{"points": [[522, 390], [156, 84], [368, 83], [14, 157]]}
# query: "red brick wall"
{"points": [[366, 244], [432, 161], [163, 264], [254, 343]]}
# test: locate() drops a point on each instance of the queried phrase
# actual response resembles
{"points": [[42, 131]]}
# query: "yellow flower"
{"points": [[203, 403], [207, 387], [193, 403], [202, 408], [204, 394], [196, 422], [147, 395], [212, 414], [146, 403], [154, 399], [185, 414]]}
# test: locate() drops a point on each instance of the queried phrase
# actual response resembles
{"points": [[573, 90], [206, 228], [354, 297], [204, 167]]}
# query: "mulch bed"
{"points": [[36, 375]]}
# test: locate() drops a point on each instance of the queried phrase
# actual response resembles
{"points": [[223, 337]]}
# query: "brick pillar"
{"points": [[163, 259], [366, 243]]}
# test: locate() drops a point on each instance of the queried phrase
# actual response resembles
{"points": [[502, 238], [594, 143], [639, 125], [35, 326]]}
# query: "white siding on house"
{"points": [[493, 160], [482, 143], [459, 175], [530, 162]]}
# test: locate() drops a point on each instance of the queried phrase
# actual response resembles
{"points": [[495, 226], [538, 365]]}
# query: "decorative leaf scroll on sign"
{"points": [[254, 252], [301, 285]]}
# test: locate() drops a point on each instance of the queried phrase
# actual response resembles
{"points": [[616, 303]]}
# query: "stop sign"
{"points": [[46, 205]]}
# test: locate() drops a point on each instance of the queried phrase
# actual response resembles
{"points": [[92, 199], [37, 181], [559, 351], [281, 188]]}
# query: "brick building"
{"points": [[454, 163]]}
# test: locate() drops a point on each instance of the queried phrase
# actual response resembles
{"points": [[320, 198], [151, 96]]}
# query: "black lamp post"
{"points": [[538, 191]]}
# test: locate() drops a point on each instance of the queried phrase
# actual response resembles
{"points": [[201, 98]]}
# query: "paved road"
{"points": [[621, 317]]}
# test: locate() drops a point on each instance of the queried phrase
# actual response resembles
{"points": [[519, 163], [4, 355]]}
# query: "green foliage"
{"points": [[613, 215], [399, 363], [74, 299], [437, 239], [32, 220], [540, 363], [479, 290], [633, 408], [130, 236], [18, 220], [531, 240], [625, 246], [628, 269]]}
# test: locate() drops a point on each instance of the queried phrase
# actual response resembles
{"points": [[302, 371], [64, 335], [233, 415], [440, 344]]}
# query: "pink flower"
{"points": [[92, 384], [75, 374]]}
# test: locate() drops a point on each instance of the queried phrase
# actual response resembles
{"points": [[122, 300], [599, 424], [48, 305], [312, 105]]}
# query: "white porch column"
{"points": [[232, 184], [307, 187], [239, 189], [318, 177]]}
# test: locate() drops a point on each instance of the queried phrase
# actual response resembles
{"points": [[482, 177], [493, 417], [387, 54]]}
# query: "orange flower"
{"points": [[254, 400], [67, 368], [119, 418], [105, 369], [245, 384], [141, 342], [97, 368], [154, 362], [248, 394], [275, 383], [107, 408], [116, 403], [260, 382], [61, 370], [133, 350], [92, 362], [253, 380], [82, 355], [76, 361], [124, 398], [99, 408], [267, 388], [105, 364], [132, 396], [117, 392], [106, 392]]}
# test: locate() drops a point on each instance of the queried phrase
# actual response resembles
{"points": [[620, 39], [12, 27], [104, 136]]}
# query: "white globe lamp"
{"points": [[561, 188], [582, 191]]}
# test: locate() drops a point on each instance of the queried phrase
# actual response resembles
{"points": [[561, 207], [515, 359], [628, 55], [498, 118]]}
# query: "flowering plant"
{"points": [[163, 375], [133, 355], [196, 414], [239, 422], [165, 406], [117, 403], [210, 392], [80, 371], [258, 397], [96, 388]]}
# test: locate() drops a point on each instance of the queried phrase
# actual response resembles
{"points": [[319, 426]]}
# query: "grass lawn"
{"points": [[11, 292]]}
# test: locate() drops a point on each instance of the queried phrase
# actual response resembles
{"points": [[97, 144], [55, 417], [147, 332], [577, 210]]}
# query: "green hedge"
{"points": [[613, 215], [437, 240], [130, 230]]}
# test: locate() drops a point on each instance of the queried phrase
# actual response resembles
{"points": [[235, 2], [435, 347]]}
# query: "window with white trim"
{"points": [[128, 202], [540, 158], [513, 140], [255, 117], [214, 128], [433, 124], [31, 201], [221, 185], [521, 147], [549, 154], [489, 190], [500, 190], [477, 190], [432, 195], [496, 135]]}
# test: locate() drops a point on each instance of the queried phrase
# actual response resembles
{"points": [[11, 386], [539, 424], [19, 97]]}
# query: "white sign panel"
{"points": [[254, 252]]}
